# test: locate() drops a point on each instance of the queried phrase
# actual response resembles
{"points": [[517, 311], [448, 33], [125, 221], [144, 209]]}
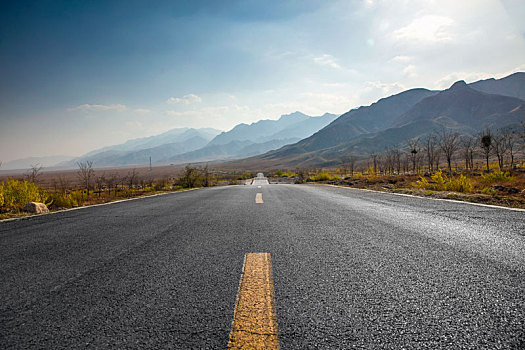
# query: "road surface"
{"points": [[351, 269]]}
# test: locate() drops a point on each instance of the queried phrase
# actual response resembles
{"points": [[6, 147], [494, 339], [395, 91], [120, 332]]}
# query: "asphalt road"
{"points": [[351, 269]]}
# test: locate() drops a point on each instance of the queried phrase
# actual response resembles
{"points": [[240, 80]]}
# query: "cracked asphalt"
{"points": [[351, 269]]}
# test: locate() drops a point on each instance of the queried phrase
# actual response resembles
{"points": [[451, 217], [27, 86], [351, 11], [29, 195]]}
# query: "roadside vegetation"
{"points": [[88, 186], [486, 168]]}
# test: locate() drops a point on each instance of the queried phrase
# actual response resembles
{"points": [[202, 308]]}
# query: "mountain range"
{"points": [[138, 151], [391, 121], [198, 145], [299, 140]]}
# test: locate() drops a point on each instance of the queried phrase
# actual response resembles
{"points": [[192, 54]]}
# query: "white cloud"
{"points": [[185, 100], [220, 117], [402, 59], [327, 60], [89, 107], [430, 29], [142, 111], [410, 71], [385, 88]]}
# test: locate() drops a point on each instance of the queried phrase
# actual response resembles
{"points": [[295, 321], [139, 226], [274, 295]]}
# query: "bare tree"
{"points": [[512, 140], [132, 177], [500, 147], [351, 163], [63, 183], [397, 159], [85, 174], [373, 155], [391, 160], [430, 148], [437, 159], [413, 147], [348, 163], [380, 163], [100, 181], [448, 143], [121, 181], [343, 160], [111, 182], [485, 143], [467, 146], [206, 177], [34, 173]]}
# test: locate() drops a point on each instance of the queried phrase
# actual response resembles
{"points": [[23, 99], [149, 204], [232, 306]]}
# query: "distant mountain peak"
{"points": [[459, 85], [295, 114]]}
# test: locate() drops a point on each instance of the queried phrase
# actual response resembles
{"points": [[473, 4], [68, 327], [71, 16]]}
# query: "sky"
{"points": [[79, 75]]}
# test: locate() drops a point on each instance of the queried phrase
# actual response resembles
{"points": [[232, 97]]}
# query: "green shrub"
{"points": [[322, 176], [278, 173], [487, 190], [440, 182], [17, 193], [62, 200], [77, 196], [459, 184], [496, 176], [439, 179]]}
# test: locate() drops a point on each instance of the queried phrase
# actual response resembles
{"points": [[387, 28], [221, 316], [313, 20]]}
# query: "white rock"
{"points": [[34, 207]]}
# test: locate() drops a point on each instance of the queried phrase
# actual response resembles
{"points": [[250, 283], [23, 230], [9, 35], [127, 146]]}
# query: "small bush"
{"points": [[77, 196], [439, 179], [487, 190], [17, 193], [62, 200], [496, 176], [440, 182], [322, 176], [459, 184]]}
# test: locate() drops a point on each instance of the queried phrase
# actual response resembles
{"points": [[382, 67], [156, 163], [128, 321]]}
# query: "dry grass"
{"points": [[508, 193]]}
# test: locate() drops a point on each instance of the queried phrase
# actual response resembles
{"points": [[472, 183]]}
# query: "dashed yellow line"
{"points": [[258, 198], [254, 323]]}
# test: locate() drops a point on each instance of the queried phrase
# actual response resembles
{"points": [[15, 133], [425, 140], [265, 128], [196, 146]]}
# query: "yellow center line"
{"points": [[258, 198], [254, 323]]}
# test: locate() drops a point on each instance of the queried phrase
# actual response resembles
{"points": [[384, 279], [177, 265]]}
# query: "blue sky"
{"points": [[75, 76]]}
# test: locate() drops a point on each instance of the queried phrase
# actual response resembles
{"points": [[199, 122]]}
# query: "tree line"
{"points": [[444, 148]]}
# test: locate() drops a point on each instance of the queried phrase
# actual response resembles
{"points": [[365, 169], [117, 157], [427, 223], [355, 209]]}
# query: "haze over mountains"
{"points": [[197, 145], [138, 151], [246, 140], [26, 163], [391, 121]]}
